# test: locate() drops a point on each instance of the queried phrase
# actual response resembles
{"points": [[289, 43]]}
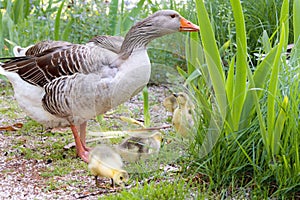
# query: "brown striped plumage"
{"points": [[70, 83], [45, 45]]}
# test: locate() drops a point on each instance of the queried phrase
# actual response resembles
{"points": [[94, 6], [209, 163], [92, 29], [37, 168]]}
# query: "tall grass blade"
{"points": [[212, 57], [113, 12], [230, 90], [296, 54], [260, 77], [57, 21], [273, 85], [284, 17], [146, 107], [192, 52], [272, 90], [241, 63], [217, 112], [18, 14], [279, 124], [27, 8], [266, 42], [67, 30], [8, 27], [296, 24]]}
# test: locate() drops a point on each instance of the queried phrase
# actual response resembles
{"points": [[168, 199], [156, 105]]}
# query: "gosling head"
{"points": [[158, 136], [170, 103], [181, 98], [120, 177]]}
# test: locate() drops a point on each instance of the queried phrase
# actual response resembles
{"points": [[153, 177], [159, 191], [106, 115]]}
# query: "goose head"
{"points": [[160, 23], [164, 22]]}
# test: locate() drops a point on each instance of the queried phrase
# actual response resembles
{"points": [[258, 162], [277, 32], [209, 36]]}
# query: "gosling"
{"points": [[134, 148], [182, 117], [105, 162]]}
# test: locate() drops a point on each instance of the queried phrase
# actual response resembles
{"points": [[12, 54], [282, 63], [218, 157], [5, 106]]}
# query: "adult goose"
{"points": [[70, 84]]}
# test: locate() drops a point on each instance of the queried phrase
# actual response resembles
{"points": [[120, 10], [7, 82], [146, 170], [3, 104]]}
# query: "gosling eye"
{"points": [[121, 178], [173, 16]]}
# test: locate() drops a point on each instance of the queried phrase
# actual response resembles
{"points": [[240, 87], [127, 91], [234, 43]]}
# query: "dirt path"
{"points": [[25, 177]]}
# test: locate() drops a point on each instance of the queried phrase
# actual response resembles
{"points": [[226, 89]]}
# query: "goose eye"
{"points": [[173, 16]]}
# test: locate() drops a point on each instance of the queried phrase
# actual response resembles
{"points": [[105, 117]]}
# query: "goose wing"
{"points": [[45, 45], [59, 61], [112, 43]]}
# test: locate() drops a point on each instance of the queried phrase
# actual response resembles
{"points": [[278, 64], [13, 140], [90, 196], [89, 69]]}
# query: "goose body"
{"points": [[72, 83], [32, 104]]}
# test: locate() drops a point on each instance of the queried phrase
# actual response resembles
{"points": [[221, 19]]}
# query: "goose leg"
{"points": [[81, 151], [82, 129]]}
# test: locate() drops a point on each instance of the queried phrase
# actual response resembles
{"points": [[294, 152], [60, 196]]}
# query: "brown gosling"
{"points": [[135, 148]]}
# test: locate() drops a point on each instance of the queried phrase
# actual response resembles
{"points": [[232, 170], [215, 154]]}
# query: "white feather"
{"points": [[29, 98], [20, 51]]}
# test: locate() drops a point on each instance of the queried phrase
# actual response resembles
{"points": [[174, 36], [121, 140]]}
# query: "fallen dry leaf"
{"points": [[13, 127]]}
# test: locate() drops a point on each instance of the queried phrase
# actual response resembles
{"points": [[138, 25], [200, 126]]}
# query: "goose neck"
{"points": [[136, 38]]}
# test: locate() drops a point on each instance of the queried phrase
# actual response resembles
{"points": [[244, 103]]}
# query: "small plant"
{"points": [[146, 107]]}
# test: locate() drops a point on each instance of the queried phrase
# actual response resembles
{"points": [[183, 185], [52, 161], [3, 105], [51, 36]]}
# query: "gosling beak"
{"points": [[175, 95], [186, 25]]}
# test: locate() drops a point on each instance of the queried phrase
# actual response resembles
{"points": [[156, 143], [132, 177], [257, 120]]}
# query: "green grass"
{"points": [[172, 189], [253, 128]]}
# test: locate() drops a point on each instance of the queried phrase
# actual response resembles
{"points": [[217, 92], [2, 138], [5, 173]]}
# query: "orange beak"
{"points": [[186, 25]]}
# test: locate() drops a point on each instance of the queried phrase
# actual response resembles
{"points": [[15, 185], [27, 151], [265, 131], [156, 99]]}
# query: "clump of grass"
{"points": [[173, 189], [251, 138]]}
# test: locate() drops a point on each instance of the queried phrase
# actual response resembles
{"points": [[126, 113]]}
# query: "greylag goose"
{"points": [[137, 147], [104, 162], [182, 117], [68, 85]]}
